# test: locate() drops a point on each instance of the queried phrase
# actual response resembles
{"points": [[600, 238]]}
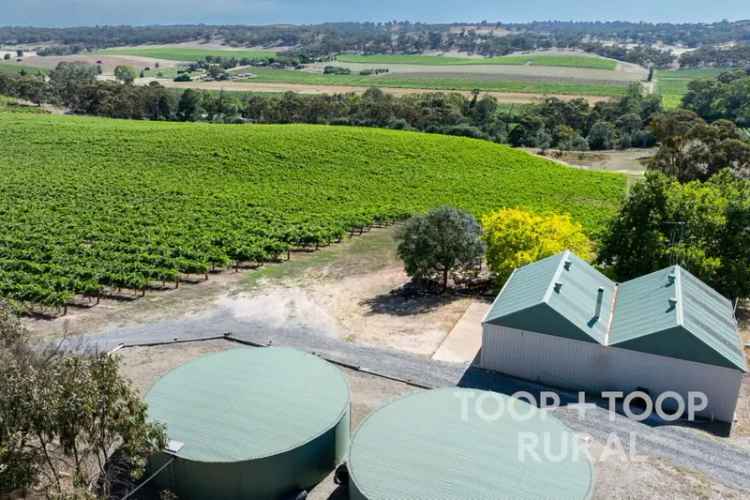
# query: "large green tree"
{"points": [[438, 243], [125, 74], [700, 225], [68, 77], [691, 149]]}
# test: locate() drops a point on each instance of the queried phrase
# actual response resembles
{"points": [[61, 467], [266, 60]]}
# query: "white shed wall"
{"points": [[587, 366]]}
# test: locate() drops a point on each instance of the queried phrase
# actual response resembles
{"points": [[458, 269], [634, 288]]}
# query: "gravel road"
{"points": [[709, 454]]}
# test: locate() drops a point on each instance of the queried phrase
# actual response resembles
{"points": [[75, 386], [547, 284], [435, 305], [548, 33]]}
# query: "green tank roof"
{"points": [[426, 447], [248, 403]]}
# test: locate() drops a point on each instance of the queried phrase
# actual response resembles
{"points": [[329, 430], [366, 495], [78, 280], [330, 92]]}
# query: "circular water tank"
{"points": [[455, 444], [257, 423]]}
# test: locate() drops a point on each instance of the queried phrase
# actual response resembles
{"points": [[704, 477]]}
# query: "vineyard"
{"points": [[96, 207]]}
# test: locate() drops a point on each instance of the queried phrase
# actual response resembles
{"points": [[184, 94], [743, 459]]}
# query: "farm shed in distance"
{"points": [[440, 444], [258, 423], [561, 322]]}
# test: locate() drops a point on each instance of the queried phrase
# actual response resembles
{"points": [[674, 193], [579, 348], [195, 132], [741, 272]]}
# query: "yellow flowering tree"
{"points": [[516, 237]]}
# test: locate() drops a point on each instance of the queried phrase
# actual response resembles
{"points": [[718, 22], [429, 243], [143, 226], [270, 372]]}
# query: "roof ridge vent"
{"points": [[558, 286], [599, 302], [673, 301], [567, 264], [671, 278]]}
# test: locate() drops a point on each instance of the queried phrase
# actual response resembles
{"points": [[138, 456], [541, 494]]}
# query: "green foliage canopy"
{"points": [[438, 243], [700, 225], [516, 237]]}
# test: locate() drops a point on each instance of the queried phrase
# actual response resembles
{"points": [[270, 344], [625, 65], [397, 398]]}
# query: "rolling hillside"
{"points": [[89, 204]]}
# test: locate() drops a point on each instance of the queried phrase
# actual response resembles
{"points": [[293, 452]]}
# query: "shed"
{"points": [[561, 322], [258, 423]]}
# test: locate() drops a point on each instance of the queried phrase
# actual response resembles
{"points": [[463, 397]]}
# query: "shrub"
{"points": [[516, 237]]}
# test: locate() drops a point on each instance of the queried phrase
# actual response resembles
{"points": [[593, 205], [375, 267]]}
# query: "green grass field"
{"points": [[100, 204], [182, 54], [462, 82], [673, 85], [562, 60], [14, 69]]}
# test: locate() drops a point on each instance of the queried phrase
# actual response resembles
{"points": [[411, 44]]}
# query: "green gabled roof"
{"points": [[668, 313], [672, 313], [556, 296], [577, 297], [525, 288], [710, 317], [643, 307]]}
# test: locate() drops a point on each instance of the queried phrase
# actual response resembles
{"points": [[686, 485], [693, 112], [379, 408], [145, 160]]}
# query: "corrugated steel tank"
{"points": [[457, 443], [260, 423]]}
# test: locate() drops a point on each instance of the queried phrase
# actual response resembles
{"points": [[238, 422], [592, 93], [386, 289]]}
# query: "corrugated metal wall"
{"points": [[586, 366], [270, 478]]}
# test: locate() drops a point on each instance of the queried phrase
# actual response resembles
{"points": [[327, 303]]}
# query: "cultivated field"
{"points": [[143, 203], [253, 87], [673, 85], [535, 74], [108, 63], [533, 59], [442, 80], [188, 54]]}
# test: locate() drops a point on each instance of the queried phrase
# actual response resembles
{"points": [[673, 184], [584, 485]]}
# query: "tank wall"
{"points": [[268, 478]]}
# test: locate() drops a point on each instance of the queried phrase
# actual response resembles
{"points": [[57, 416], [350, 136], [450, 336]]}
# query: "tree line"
{"points": [[737, 56], [692, 208], [573, 125], [610, 39], [356, 36]]}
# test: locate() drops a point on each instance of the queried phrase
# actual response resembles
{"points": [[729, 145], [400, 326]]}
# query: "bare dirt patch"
{"points": [[108, 62], [343, 291], [629, 161]]}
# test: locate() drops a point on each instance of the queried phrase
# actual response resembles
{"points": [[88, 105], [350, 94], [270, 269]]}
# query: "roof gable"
{"points": [[525, 288], [679, 343], [643, 307], [668, 313], [575, 296], [543, 319], [564, 284], [710, 317]]}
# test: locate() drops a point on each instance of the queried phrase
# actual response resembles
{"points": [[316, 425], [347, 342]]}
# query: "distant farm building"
{"points": [[440, 445], [250, 423], [561, 322]]}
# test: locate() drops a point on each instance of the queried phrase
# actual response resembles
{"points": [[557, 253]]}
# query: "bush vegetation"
{"points": [[62, 417], [516, 237]]}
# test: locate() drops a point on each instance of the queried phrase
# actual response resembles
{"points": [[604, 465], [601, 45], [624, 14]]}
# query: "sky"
{"points": [[140, 12]]}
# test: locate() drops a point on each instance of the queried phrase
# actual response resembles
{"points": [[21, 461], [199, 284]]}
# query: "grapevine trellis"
{"points": [[92, 206]]}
